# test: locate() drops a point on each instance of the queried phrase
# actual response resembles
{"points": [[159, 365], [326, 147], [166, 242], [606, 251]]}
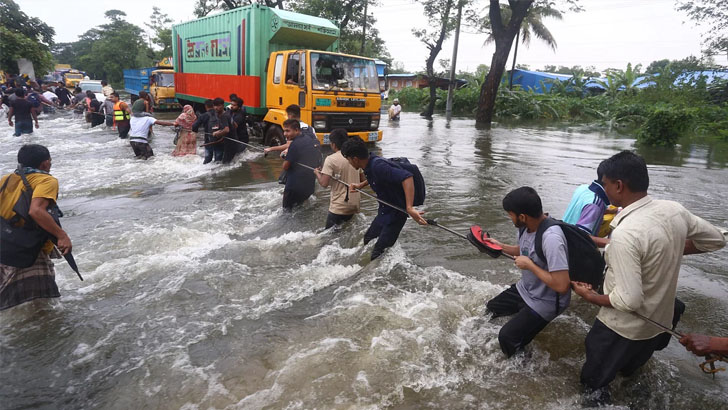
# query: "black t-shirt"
{"points": [[239, 119], [21, 109], [306, 151], [96, 105]]}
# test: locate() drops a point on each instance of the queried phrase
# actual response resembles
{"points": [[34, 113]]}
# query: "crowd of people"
{"points": [[644, 238]]}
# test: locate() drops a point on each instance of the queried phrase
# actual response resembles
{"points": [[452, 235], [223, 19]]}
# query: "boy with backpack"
{"points": [[543, 292], [393, 184]]}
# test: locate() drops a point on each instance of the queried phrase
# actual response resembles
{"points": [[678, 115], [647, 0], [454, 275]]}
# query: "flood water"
{"points": [[200, 292]]}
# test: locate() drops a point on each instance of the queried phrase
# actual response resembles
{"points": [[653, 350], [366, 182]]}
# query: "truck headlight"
{"points": [[374, 123], [319, 124]]}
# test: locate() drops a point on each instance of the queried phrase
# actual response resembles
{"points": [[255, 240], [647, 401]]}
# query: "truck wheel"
{"points": [[274, 136]]}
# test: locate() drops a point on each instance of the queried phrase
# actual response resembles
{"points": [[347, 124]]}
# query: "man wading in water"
{"points": [[343, 204], [22, 284], [391, 184], [543, 291], [300, 182], [643, 261]]}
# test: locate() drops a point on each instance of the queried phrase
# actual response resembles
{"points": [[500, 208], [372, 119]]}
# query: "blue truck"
{"points": [[157, 81]]}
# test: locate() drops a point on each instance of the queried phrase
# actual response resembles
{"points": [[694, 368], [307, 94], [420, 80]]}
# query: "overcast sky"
{"points": [[609, 33]]}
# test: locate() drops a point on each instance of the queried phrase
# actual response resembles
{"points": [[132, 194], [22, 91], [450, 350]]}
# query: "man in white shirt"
{"points": [[394, 110], [139, 133], [643, 261]]}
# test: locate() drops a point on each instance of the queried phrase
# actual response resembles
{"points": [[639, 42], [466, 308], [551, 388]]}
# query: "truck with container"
{"points": [[273, 58], [158, 81]]}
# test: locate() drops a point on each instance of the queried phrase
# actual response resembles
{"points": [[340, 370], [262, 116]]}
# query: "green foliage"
{"points": [[664, 126], [22, 36], [712, 14], [104, 52], [588, 71], [160, 25]]}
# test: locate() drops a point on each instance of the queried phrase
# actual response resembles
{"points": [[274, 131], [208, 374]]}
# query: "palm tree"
{"points": [[532, 26]]}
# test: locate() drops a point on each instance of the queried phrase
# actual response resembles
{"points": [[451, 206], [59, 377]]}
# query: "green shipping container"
{"points": [[227, 53]]}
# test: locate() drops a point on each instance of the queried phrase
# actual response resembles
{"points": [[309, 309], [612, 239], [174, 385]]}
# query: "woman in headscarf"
{"points": [[187, 141]]}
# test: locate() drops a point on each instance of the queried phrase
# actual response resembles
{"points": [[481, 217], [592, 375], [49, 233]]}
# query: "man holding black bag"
{"points": [[27, 198]]}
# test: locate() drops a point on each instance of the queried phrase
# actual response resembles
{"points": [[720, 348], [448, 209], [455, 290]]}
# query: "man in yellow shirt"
{"points": [[22, 284]]}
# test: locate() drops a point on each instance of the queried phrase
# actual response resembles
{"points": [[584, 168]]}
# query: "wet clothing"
{"points": [[343, 204], [64, 96], [107, 107], [139, 106], [19, 285], [300, 181], [121, 119], [239, 132], [211, 121], [141, 149], [394, 111], [608, 353], [530, 299], [186, 140], [386, 181], [587, 207], [336, 219], [520, 329], [643, 261], [539, 297], [97, 118], [23, 118]]}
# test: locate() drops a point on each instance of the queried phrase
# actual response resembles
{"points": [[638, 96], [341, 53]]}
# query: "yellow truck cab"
{"points": [[333, 90], [161, 87], [72, 78]]}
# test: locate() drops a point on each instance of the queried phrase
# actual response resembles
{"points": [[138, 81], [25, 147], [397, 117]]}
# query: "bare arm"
{"points": [[600, 242], [10, 115], [35, 117], [408, 185], [322, 178], [286, 165], [585, 291], [702, 344], [38, 211], [167, 123], [278, 147]]}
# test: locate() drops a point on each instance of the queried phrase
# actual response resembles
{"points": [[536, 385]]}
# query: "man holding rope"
{"points": [[343, 204], [643, 261], [300, 182]]}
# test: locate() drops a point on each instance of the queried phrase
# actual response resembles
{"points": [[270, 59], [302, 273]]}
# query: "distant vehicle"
{"points": [[93, 85], [72, 78], [157, 81]]}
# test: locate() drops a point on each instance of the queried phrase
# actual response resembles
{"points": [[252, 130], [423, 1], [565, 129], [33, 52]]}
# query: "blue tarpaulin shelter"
{"points": [[531, 80]]}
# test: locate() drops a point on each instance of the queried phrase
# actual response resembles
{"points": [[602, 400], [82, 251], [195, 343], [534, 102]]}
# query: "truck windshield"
{"points": [[337, 72], [74, 76], [164, 79]]}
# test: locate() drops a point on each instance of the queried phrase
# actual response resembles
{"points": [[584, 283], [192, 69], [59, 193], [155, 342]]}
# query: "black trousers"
{"points": [[385, 227], [608, 353], [123, 127], [522, 328], [293, 198], [336, 219]]}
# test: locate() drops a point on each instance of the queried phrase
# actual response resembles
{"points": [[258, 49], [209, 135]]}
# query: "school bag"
{"points": [[586, 263], [20, 246], [419, 181]]}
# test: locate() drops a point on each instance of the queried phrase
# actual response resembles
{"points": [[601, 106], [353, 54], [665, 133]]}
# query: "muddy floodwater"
{"points": [[201, 293]]}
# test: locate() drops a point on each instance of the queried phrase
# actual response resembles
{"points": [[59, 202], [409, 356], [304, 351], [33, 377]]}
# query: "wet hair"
{"points": [[292, 124], [90, 94], [338, 136], [354, 147], [600, 171], [523, 200], [115, 94], [208, 103], [103, 82], [218, 102], [142, 94], [294, 111], [32, 155], [628, 167], [20, 92]]}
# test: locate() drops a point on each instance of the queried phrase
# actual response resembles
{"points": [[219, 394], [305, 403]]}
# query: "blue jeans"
{"points": [[23, 127], [216, 150]]}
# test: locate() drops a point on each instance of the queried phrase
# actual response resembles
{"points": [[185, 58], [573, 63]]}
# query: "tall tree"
{"points": [[504, 30], [22, 36], [440, 17], [712, 14], [532, 26], [161, 32]]}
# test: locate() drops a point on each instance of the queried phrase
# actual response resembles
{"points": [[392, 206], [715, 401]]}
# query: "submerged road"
{"points": [[201, 293]]}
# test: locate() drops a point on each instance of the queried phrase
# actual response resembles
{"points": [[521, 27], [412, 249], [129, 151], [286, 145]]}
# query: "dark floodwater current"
{"points": [[200, 293]]}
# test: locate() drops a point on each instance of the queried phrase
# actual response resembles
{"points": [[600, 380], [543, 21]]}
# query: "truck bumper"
{"points": [[366, 136]]}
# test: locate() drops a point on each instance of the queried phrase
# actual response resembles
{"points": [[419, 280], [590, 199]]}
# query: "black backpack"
{"points": [[419, 181], [586, 263]]}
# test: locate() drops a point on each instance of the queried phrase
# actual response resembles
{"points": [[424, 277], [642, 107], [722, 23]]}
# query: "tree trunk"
{"points": [[513, 67], [430, 63], [504, 35]]}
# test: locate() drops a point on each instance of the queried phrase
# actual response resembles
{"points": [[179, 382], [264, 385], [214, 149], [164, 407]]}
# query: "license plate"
{"points": [[326, 139], [373, 136]]}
